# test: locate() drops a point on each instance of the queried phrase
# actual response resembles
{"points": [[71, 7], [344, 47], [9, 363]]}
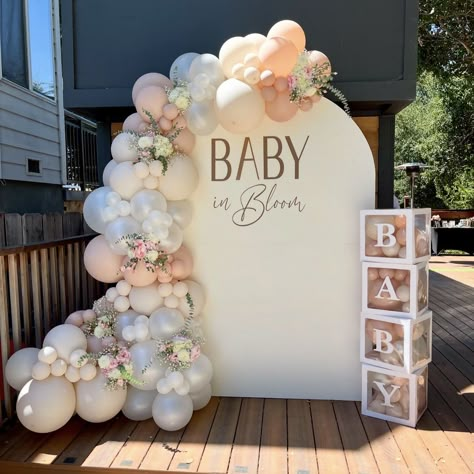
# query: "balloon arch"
{"points": [[139, 348]]}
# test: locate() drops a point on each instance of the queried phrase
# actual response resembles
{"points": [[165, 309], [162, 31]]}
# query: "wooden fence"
{"points": [[40, 285], [24, 229]]}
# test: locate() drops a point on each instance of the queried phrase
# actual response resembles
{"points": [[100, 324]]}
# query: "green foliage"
{"points": [[437, 129]]}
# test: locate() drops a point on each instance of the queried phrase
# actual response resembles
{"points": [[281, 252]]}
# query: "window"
{"points": [[27, 44]]}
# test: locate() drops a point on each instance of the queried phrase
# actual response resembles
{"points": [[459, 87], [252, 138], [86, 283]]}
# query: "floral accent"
{"points": [[179, 352], [104, 324], [307, 79], [145, 248], [180, 96]]}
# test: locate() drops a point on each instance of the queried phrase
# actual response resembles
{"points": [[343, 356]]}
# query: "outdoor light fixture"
{"points": [[413, 170]]}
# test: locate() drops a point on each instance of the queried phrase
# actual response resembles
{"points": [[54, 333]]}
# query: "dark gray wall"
{"points": [[107, 44]]}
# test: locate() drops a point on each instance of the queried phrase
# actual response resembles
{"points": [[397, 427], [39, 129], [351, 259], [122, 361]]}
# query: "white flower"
{"points": [[115, 374], [183, 356], [180, 97], [163, 146], [99, 332], [183, 102], [145, 142], [104, 361], [152, 255]]}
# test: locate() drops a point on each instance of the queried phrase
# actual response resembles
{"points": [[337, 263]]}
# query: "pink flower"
{"points": [[195, 353], [140, 251], [292, 82], [173, 358]]}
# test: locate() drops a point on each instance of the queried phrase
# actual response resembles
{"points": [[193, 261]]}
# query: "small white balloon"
{"points": [[165, 289], [121, 304], [141, 170], [123, 208], [163, 386], [58, 367], [172, 301], [252, 75], [123, 288], [41, 371], [129, 333], [156, 168], [72, 374], [175, 379], [111, 294], [151, 182], [88, 372], [180, 289], [78, 358], [47, 355], [141, 331], [112, 198], [142, 319], [183, 389]]}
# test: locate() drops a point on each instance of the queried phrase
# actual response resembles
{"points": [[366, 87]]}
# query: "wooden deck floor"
{"points": [[291, 436]]}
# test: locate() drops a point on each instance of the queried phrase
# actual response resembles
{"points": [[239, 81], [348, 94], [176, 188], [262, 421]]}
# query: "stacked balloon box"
{"points": [[395, 321]]}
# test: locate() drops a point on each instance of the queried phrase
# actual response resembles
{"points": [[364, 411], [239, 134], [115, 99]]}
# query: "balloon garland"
{"points": [[139, 348]]}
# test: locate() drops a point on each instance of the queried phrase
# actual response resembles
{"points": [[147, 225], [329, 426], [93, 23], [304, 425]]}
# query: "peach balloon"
{"points": [[291, 31], [134, 123], [371, 250], [315, 98], [165, 124], [386, 272], [140, 276], [306, 105], [269, 94], [267, 78], [316, 58], [281, 84], [400, 275], [281, 109], [380, 303], [182, 265], [372, 274], [165, 275], [401, 236], [400, 221], [180, 122], [100, 262], [279, 55], [185, 141], [150, 79], [170, 111], [151, 99]]}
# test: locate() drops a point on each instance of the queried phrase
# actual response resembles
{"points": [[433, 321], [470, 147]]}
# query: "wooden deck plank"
{"points": [[446, 322], [386, 451], [329, 450], [357, 450], [25, 446], [274, 442], [246, 448], [218, 449], [136, 446], [453, 311], [162, 450], [301, 449], [194, 438]]}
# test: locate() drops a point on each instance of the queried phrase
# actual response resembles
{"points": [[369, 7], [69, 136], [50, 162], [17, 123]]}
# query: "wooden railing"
{"points": [[40, 285]]}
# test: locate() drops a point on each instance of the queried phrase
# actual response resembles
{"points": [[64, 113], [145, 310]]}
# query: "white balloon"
{"points": [[88, 372], [181, 212], [199, 374], [124, 181], [180, 289], [123, 287], [77, 358], [165, 289], [46, 405], [201, 118], [179, 70], [121, 304], [94, 209], [141, 332], [183, 389], [41, 370], [202, 397], [156, 168], [173, 240], [72, 374], [180, 180], [121, 148], [146, 368], [209, 65], [141, 170], [146, 201], [123, 208], [172, 301], [163, 386], [233, 52], [175, 379], [119, 228], [197, 296], [128, 333], [109, 167], [172, 412], [111, 294], [138, 404], [142, 319], [47, 355], [20, 367], [58, 367], [165, 322], [198, 93], [145, 299], [95, 403], [65, 338], [123, 320]]}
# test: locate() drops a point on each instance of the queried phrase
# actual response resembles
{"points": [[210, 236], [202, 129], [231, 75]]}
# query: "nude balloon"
{"points": [[100, 262], [291, 31], [281, 109], [134, 123], [140, 276], [182, 265], [150, 79], [319, 59], [279, 55], [151, 99], [185, 141]]}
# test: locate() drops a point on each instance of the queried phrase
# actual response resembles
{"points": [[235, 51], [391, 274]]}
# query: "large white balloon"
{"points": [[201, 118], [20, 366], [199, 374], [65, 338], [209, 65], [165, 322], [124, 181], [146, 368], [146, 201], [95, 403], [233, 52], [180, 180], [119, 228], [46, 405], [198, 297], [94, 206], [127, 318], [122, 149], [109, 167], [179, 70], [174, 239], [181, 212], [138, 404], [145, 299], [240, 107], [202, 397], [172, 412]]}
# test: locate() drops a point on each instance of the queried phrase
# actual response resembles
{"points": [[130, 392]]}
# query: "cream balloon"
{"points": [[240, 107], [109, 167], [46, 405], [180, 180], [233, 51], [145, 299], [124, 181], [138, 404], [95, 403], [122, 149], [20, 366], [65, 338], [198, 297], [256, 39]]}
